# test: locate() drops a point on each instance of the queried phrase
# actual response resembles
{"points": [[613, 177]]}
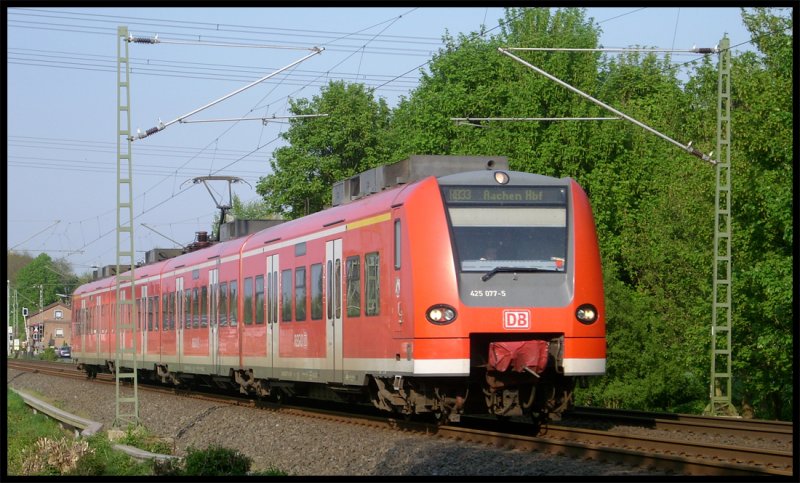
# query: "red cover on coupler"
{"points": [[518, 355]]}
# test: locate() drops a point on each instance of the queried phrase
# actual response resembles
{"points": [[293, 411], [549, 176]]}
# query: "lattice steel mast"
{"points": [[721, 309], [127, 395]]}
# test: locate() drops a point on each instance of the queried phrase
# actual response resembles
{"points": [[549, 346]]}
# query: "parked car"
{"points": [[65, 351]]}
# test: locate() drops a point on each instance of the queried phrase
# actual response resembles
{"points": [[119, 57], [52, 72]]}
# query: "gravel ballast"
{"points": [[305, 446]]}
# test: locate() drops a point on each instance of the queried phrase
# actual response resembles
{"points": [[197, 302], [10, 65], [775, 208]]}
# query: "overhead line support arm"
{"points": [[161, 125], [688, 147]]}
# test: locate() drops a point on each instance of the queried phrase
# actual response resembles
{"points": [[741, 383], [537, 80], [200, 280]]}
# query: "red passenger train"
{"points": [[452, 291]]}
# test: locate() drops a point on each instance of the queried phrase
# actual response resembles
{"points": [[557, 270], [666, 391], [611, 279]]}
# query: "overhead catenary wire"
{"points": [[688, 147], [522, 119], [693, 50], [265, 120], [161, 126]]}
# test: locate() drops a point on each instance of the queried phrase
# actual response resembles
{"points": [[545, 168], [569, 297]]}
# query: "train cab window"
{"points": [[248, 301], [353, 273], [234, 301], [286, 295], [195, 308], [223, 304], [300, 293], [397, 244], [372, 283], [514, 227], [203, 306], [259, 299], [187, 304], [316, 291]]}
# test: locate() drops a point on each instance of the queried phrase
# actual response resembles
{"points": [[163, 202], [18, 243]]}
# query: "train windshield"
{"points": [[497, 232]]}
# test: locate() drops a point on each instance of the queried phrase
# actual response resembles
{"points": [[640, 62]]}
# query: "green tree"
{"points": [[41, 272], [763, 208], [470, 78], [14, 262], [324, 150]]}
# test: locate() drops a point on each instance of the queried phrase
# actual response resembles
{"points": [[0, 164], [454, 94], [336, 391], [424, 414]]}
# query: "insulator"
{"points": [[704, 50], [151, 131], [142, 40]]}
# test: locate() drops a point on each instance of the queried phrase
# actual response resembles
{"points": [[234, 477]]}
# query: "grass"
{"points": [[38, 446], [26, 429]]}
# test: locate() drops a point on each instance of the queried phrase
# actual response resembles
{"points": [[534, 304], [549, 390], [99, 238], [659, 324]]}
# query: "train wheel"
{"points": [[441, 417]]}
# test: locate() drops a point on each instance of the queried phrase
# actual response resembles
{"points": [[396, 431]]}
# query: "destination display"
{"points": [[505, 195]]}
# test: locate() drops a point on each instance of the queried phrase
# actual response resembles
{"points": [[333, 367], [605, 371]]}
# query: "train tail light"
{"points": [[586, 314], [440, 314]]}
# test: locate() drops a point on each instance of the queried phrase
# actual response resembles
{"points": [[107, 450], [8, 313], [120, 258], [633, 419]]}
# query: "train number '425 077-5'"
{"points": [[487, 293]]}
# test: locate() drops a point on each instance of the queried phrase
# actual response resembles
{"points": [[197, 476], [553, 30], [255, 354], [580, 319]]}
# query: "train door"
{"points": [[143, 318], [333, 313], [273, 330], [98, 325], [83, 324], [179, 309], [213, 326]]}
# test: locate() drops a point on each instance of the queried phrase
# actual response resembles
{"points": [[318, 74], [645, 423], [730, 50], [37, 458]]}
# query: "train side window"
{"points": [[286, 295], [141, 315], [248, 301], [149, 314], [203, 306], [195, 308], [171, 310], [234, 301], [353, 268], [372, 283], [156, 311], [165, 312], [316, 291], [223, 304], [397, 244], [300, 293], [259, 299], [187, 304]]}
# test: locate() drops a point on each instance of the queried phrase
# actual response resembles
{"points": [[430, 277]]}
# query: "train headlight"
{"points": [[441, 314], [586, 313], [501, 177]]}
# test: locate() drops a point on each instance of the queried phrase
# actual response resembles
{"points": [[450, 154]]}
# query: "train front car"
{"points": [[510, 293]]}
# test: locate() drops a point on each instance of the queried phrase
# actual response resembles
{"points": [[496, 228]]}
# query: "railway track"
{"points": [[670, 454]]}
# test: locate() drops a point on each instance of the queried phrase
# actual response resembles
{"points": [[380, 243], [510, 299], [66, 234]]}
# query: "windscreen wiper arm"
{"points": [[486, 276]]}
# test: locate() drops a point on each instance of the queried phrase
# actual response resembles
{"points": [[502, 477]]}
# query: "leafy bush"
{"points": [[49, 354], [216, 461]]}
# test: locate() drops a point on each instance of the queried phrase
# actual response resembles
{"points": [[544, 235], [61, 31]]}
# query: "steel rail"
{"points": [[675, 456]]}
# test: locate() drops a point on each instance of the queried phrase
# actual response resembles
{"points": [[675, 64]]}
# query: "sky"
{"points": [[62, 101]]}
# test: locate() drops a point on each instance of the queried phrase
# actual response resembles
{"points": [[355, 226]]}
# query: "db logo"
{"points": [[516, 319]]}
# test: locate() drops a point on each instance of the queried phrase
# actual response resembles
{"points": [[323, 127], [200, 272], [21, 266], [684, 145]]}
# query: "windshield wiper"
{"points": [[486, 276]]}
